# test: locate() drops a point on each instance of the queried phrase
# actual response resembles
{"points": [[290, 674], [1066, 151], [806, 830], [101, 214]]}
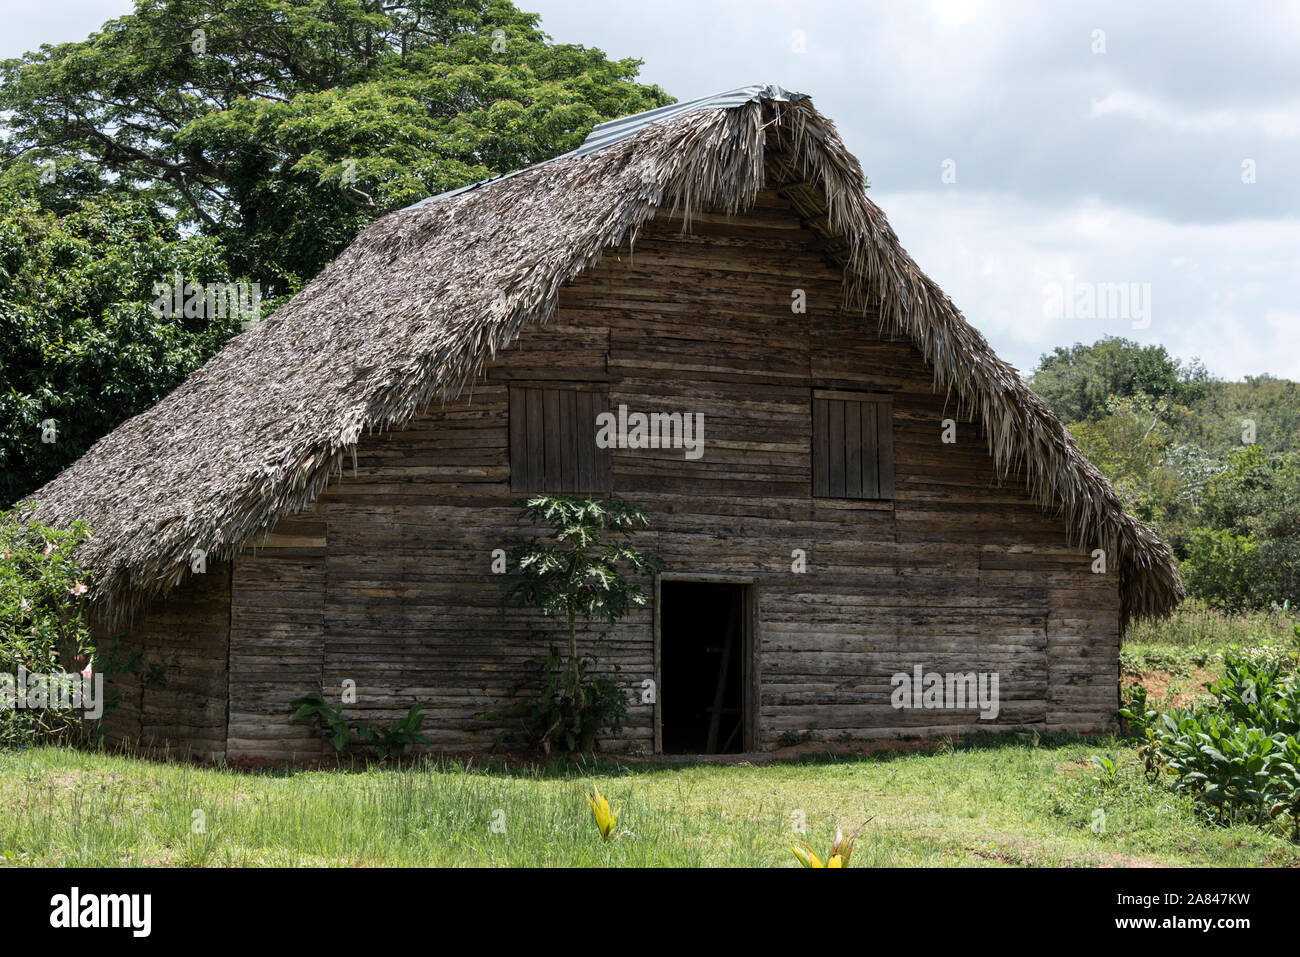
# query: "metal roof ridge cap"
{"points": [[625, 126]]}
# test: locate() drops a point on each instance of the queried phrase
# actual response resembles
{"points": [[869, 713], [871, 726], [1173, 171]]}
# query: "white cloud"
{"points": [[1274, 123], [1123, 167], [956, 13], [1223, 292]]}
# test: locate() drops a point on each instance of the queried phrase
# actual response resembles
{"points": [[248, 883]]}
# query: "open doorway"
{"points": [[704, 645]]}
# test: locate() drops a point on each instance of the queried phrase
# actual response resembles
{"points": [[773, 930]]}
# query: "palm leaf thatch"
{"points": [[411, 311]]}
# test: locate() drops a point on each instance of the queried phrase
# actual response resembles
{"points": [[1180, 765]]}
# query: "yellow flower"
{"points": [[841, 850], [841, 847], [807, 856], [605, 817]]}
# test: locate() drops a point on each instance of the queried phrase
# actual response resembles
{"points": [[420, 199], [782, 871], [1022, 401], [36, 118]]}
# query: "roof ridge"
{"points": [[612, 131]]}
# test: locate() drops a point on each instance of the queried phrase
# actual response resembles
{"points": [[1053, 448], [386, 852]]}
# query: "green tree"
{"points": [[1257, 496], [1218, 567], [239, 141], [1210, 464], [1261, 410], [1078, 381], [81, 345], [282, 127], [1128, 443]]}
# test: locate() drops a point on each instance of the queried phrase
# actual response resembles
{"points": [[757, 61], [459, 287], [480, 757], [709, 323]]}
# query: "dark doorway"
{"points": [[703, 644]]}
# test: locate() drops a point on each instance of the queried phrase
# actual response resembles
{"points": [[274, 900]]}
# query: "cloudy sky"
{"points": [[1032, 157]]}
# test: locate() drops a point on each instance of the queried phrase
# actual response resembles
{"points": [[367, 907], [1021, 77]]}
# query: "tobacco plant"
{"points": [[1239, 754]]}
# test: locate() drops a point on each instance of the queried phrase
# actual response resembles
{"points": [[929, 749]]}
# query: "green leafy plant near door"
{"points": [[576, 572]]}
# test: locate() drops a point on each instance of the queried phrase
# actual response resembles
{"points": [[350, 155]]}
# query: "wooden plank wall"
{"points": [[186, 634], [391, 586], [277, 641]]}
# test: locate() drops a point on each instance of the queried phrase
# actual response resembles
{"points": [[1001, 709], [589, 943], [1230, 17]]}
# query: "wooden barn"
{"points": [[870, 493]]}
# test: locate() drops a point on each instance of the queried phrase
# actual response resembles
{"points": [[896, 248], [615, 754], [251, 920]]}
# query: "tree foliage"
{"points": [[81, 346], [1212, 465], [282, 127], [239, 141], [1078, 381]]}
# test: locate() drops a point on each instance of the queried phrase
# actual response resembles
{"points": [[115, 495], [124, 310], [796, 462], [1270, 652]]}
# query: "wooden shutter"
{"points": [[553, 441], [852, 445]]}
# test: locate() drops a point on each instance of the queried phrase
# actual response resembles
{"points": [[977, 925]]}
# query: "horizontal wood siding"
{"points": [[277, 641], [187, 636]]}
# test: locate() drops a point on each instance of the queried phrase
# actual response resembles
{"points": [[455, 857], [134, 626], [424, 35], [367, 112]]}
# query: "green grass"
{"points": [[1185, 648], [1198, 627], [1016, 801]]}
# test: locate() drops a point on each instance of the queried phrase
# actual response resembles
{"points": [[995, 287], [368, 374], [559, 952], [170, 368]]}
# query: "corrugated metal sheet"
{"points": [[611, 132], [619, 129]]}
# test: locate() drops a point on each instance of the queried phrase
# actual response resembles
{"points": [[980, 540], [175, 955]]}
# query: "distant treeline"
{"points": [[1211, 465]]}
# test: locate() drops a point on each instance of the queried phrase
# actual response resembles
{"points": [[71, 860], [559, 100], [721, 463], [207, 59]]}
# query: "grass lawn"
{"points": [[1175, 657], [989, 802]]}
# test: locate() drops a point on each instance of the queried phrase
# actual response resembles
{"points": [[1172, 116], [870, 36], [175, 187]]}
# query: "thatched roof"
{"points": [[410, 312]]}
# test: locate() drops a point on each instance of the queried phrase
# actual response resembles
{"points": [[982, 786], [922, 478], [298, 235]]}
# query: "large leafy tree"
{"points": [[281, 127], [239, 140], [1077, 381], [81, 346]]}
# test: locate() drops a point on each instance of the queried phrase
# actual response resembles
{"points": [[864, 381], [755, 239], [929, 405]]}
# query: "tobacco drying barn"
{"points": [[873, 492]]}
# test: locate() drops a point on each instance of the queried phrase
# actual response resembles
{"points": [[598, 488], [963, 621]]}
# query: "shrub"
{"points": [[1218, 567], [42, 630]]}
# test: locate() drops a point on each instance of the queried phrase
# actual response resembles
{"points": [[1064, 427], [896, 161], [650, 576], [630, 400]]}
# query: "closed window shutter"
{"points": [[853, 446], [553, 441]]}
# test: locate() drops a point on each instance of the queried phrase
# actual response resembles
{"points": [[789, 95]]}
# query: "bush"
{"points": [[1219, 568], [386, 743], [555, 712], [42, 631]]}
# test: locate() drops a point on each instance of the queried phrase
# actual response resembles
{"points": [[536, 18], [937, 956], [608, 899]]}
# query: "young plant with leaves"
{"points": [[577, 572], [606, 818], [335, 727]]}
